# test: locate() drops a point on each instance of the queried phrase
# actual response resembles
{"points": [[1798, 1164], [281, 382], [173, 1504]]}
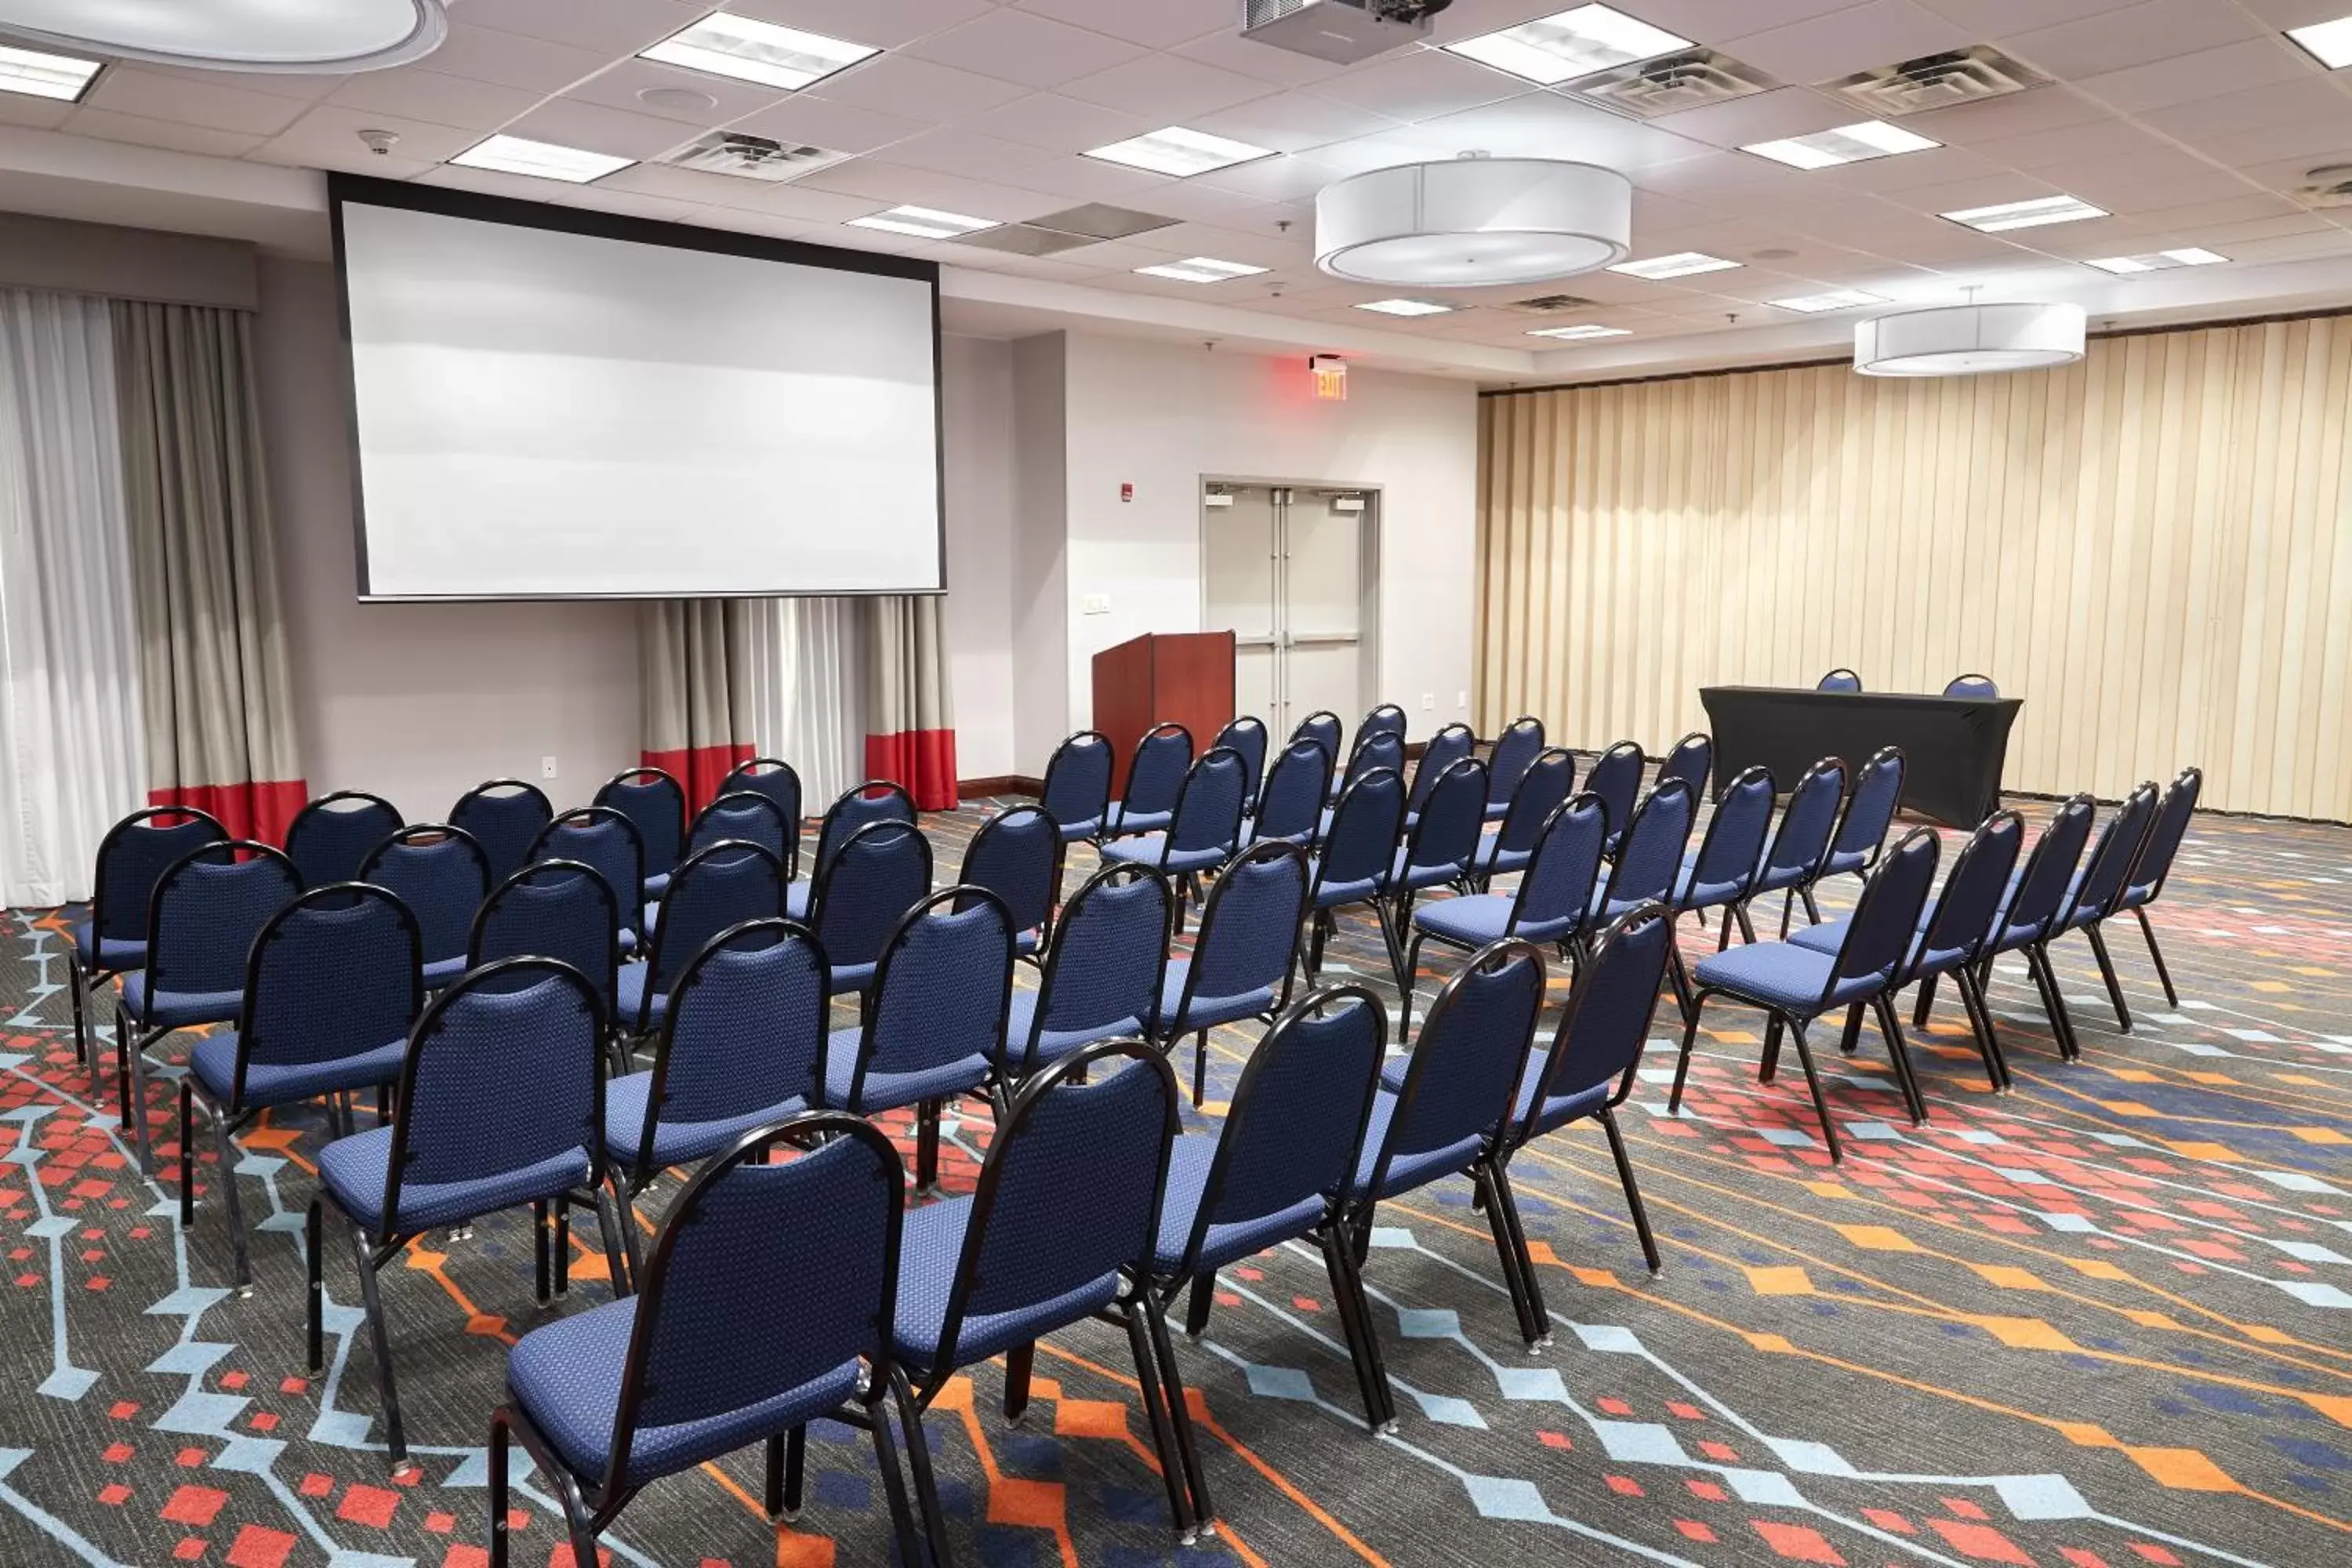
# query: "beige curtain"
{"points": [[696, 663], [219, 720]]}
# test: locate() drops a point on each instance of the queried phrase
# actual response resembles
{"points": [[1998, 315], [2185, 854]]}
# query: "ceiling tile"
{"points": [[824, 124], [327, 137], [2322, 140], [896, 184], [1289, 178], [1015, 45], [1292, 123], [618, 89], [109, 126], [510, 59], [2315, 100], [1420, 85], [429, 95], [611, 26], [1761, 117], [893, 81], [1167, 88], [36, 114], [1280, 68], [1154, 23], [1543, 124], [806, 204], [129, 89], [1707, 21], [1092, 180], [1823, 48], [2118, 40], [2000, 18], [1058, 124], [2284, 14], [569, 122], [951, 150], [687, 185], [885, 24], [2205, 73], [2050, 108], [2075, 143]]}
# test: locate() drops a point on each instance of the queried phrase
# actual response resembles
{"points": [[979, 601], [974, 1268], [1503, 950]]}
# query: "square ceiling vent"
{"points": [[1551, 304], [752, 157], [1691, 79], [1937, 81], [1067, 230]]}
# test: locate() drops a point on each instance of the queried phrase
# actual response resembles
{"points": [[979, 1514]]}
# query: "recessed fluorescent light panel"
{"points": [[750, 50], [38, 75], [1847, 144], [2329, 43], [1835, 299], [1406, 307], [1681, 264], [1200, 269], [2159, 260], [927, 221], [541, 160], [1570, 44], [1179, 152], [1577, 334], [2027, 215]]}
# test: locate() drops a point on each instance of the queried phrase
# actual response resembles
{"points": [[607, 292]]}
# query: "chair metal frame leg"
{"points": [[1677, 974], [1505, 1251], [1820, 1099], [366, 1254], [918, 1462], [1200, 1299], [1020, 1361], [1769, 1067], [1813, 909], [1851, 1040], [1747, 926], [1682, 1064], [1199, 1068], [1607, 1119], [315, 1291], [1405, 978], [1171, 1377], [1980, 1024], [894, 1481], [1156, 1415], [2139, 913], [2054, 1004], [1892, 1028], [1510, 1198], [2107, 973], [1356, 1325], [1925, 1006]]}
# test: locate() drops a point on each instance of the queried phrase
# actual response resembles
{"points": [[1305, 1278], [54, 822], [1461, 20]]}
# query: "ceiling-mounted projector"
{"points": [[1340, 31]]}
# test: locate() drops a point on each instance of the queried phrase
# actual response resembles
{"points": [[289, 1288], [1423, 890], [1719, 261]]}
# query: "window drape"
{"points": [[219, 723], [69, 726], [811, 695], [911, 733], [695, 659]]}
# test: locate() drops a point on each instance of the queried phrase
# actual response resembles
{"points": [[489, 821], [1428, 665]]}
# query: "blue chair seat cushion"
{"points": [[675, 1143], [1189, 1160], [442, 972], [796, 900], [1405, 877], [117, 954], [353, 1170], [282, 1083], [1497, 809], [1206, 1012], [847, 977], [1083, 828], [1124, 821], [629, 944], [1053, 1044], [1691, 894], [1491, 859], [1331, 895], [630, 989], [1152, 849], [1405, 1171], [1842, 861], [1472, 922], [1782, 975], [928, 1249], [177, 1009], [890, 1091], [657, 885], [1559, 1109], [566, 1376]]}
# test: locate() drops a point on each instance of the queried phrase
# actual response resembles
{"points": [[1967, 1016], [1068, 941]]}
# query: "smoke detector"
{"points": [[1939, 81], [752, 157], [2327, 187]]}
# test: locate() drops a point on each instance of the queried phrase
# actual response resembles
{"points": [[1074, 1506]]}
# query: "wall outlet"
{"points": [[547, 768], [1097, 605], [1428, 701]]}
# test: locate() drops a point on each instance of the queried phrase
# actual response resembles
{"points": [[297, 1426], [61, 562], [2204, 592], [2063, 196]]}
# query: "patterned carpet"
{"points": [[2104, 1322]]}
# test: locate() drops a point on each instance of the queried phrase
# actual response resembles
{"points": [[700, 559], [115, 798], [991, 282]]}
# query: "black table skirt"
{"points": [[1953, 747]]}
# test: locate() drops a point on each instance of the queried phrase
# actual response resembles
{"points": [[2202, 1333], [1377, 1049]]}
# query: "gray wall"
{"points": [[124, 263]]}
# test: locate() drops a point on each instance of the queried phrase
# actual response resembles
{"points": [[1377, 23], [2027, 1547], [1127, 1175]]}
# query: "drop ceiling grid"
{"points": [[2185, 118]]}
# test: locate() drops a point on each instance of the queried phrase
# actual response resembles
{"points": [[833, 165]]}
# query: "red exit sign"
{"points": [[1330, 373]]}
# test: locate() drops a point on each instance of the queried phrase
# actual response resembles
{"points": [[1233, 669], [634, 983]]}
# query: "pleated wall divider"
{"points": [[2152, 548]]}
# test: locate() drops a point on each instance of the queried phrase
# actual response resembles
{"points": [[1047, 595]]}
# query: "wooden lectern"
{"points": [[1183, 678]]}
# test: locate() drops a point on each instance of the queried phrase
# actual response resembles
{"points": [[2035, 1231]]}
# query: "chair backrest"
{"points": [[1155, 775], [712, 889], [1077, 779], [1650, 857], [1979, 686], [1323, 729], [1249, 930], [1017, 855], [1879, 937], [1070, 1191], [765, 1276], [1508, 759], [780, 782], [1109, 956], [943, 988], [1869, 808], [1246, 736], [745, 1029], [2165, 833], [741, 815], [1465, 1065], [1209, 807], [602, 837], [1542, 788], [330, 839], [1365, 827], [1388, 719], [440, 872], [132, 856], [505, 817], [1453, 814], [1616, 778], [860, 805], [337, 972], [1290, 808], [881, 872], [2103, 880], [1734, 844], [1447, 747], [1556, 889], [1693, 762], [1979, 876], [1376, 750], [1839, 679], [1606, 1024], [505, 1072], [208, 907], [1295, 1128], [656, 802], [1802, 842], [553, 909], [2051, 865]]}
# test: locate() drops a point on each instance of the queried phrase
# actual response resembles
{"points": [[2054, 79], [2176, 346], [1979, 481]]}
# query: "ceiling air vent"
{"points": [[752, 157], [2325, 187], [1939, 81], [1551, 304], [1065, 230], [1692, 80]]}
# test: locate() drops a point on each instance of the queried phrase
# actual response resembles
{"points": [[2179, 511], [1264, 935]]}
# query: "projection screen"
{"points": [[551, 403]]}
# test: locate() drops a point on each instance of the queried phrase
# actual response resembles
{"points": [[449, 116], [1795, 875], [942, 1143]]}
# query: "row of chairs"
{"points": [[1979, 686]]}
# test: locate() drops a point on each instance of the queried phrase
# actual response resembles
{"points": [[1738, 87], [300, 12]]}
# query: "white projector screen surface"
{"points": [[550, 415]]}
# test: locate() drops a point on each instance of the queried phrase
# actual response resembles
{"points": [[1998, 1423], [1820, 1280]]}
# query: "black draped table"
{"points": [[1953, 747]]}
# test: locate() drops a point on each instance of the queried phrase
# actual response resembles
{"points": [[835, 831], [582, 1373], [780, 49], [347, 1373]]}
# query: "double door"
{"points": [[1291, 570]]}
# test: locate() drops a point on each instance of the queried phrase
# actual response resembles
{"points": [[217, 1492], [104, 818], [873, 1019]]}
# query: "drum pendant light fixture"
{"points": [[1970, 340], [1473, 221], [313, 36]]}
